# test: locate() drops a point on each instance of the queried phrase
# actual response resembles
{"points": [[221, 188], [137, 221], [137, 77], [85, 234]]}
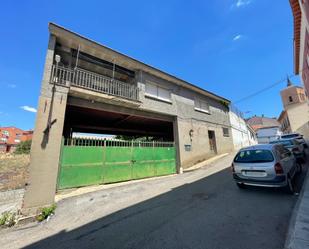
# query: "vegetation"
{"points": [[135, 138], [45, 212], [8, 219], [13, 171], [23, 147]]}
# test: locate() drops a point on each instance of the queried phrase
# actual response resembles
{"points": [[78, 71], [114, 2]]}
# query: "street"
{"points": [[193, 211]]}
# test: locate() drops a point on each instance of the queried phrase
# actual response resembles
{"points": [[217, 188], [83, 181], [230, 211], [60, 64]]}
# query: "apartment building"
{"points": [[11, 136]]}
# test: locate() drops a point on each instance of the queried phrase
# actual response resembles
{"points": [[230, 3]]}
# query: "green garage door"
{"points": [[87, 161]]}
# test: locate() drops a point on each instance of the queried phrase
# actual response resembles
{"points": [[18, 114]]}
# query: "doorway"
{"points": [[212, 141]]}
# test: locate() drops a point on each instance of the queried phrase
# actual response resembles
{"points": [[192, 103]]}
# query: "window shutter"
{"points": [[152, 90], [164, 94]]}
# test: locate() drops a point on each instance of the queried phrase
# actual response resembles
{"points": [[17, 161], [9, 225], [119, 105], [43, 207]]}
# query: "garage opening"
{"points": [[120, 147]]}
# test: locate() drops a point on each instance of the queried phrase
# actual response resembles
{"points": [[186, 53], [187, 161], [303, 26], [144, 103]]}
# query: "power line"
{"points": [[264, 89]]}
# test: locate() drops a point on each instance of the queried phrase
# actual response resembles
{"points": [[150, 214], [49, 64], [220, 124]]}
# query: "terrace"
{"points": [[85, 79]]}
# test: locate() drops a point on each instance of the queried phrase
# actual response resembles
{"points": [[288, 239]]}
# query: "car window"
{"points": [[284, 142], [254, 156], [290, 136]]}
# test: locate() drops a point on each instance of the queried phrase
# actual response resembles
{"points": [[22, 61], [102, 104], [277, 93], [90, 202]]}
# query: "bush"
{"points": [[45, 212], [23, 147], [8, 219]]}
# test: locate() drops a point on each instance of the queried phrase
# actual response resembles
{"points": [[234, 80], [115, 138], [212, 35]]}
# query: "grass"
{"points": [[45, 212], [13, 171]]}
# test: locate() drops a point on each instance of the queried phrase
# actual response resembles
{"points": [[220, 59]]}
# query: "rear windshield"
{"points": [[254, 156], [284, 142]]}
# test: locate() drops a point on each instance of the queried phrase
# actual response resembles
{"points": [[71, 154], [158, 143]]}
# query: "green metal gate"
{"points": [[91, 161]]}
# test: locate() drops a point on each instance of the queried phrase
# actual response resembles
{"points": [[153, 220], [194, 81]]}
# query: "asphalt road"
{"points": [[210, 212]]}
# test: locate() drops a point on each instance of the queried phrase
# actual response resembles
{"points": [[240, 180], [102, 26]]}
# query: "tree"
{"points": [[23, 147]]}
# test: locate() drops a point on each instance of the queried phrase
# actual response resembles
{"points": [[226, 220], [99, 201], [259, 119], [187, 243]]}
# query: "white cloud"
{"points": [[241, 3], [28, 108], [11, 86], [237, 37]]}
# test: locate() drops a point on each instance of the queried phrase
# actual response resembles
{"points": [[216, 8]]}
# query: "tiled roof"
{"points": [[263, 121]]}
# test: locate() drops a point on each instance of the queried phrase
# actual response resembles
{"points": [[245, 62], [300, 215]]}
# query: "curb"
{"points": [[290, 242], [205, 162]]}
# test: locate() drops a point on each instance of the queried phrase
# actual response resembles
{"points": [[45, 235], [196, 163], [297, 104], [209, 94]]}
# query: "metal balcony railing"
{"points": [[93, 81]]}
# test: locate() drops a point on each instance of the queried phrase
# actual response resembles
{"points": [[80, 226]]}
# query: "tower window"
{"points": [[290, 99]]}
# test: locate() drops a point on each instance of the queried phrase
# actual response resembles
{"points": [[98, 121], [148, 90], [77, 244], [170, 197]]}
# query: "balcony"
{"points": [[94, 82]]}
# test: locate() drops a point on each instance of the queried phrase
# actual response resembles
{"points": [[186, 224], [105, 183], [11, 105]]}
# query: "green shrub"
{"points": [[23, 147], [8, 219], [45, 212]]}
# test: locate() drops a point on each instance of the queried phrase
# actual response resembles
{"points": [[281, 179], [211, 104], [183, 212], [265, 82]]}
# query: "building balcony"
{"points": [[94, 82]]}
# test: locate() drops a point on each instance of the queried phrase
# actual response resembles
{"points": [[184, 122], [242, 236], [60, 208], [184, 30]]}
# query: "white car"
{"points": [[265, 165]]}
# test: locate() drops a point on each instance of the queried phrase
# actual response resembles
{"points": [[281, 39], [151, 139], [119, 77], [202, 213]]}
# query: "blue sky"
{"points": [[231, 47]]}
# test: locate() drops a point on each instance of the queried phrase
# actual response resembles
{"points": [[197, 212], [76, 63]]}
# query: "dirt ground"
{"points": [[13, 171]]}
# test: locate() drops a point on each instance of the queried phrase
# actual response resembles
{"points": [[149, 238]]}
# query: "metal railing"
{"points": [[97, 142], [93, 81]]}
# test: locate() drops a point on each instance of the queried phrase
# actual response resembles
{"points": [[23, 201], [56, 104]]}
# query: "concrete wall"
{"points": [[299, 118], [182, 106], [304, 50], [45, 148], [11, 200], [240, 132], [267, 135]]}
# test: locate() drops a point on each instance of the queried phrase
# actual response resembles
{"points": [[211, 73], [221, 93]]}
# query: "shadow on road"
{"points": [[209, 213]]}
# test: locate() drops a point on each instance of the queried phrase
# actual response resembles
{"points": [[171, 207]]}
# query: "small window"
{"points": [[157, 92], [290, 99], [225, 132], [6, 133], [202, 106]]}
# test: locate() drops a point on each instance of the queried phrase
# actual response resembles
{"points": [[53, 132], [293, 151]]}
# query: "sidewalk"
{"points": [[298, 237]]}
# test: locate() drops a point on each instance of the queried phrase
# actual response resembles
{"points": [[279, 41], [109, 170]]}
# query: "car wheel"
{"points": [[241, 185], [289, 186]]}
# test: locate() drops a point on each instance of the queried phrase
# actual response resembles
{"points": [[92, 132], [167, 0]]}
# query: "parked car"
{"points": [[295, 147], [265, 165], [296, 136]]}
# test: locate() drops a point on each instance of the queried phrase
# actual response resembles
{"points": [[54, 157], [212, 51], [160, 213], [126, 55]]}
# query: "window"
{"points": [[201, 106], [254, 156], [157, 92], [283, 142], [290, 99], [6, 133], [225, 132]]}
